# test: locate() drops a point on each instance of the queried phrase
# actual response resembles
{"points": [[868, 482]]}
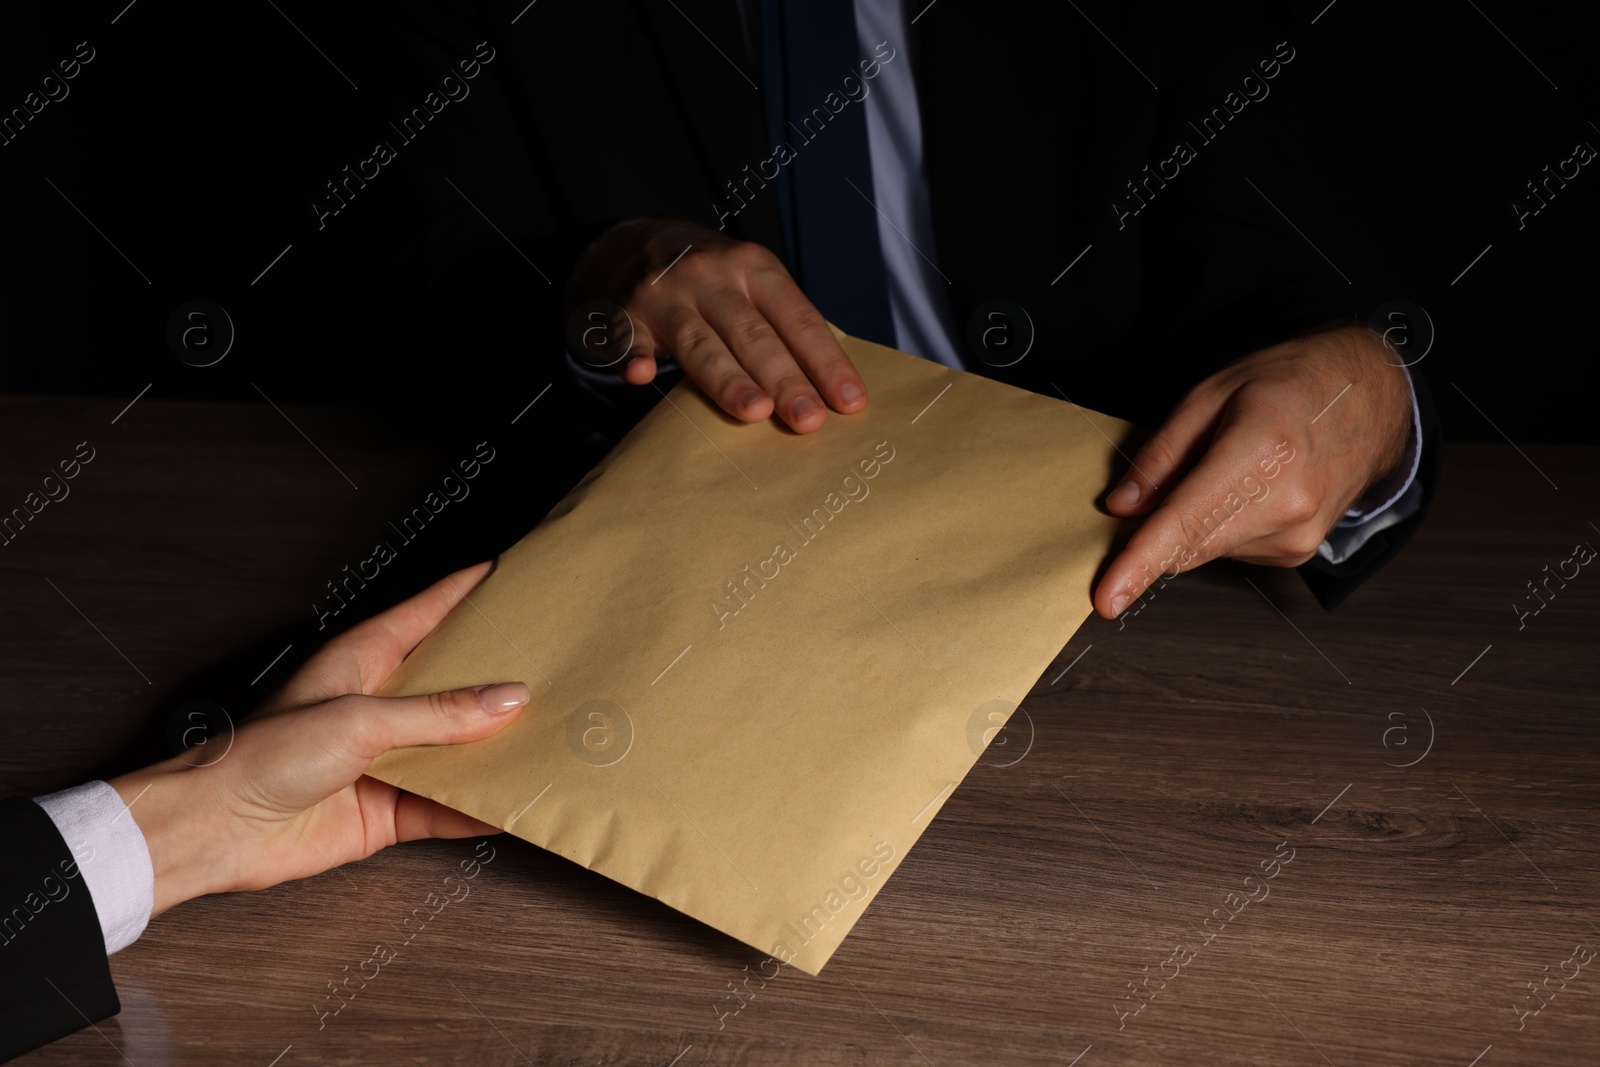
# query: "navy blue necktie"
{"points": [[808, 49]]}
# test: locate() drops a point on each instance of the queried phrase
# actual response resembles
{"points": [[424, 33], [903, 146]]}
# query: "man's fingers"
{"points": [[1162, 460], [744, 333], [639, 369], [706, 359], [760, 351], [371, 726], [1209, 512], [645, 351], [1298, 528], [805, 332]]}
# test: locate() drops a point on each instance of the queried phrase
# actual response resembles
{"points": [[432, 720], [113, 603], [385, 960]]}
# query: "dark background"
{"points": [[195, 140]]}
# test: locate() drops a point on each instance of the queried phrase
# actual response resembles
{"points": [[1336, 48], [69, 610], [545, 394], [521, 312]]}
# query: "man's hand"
{"points": [[729, 313], [1260, 460], [289, 797]]}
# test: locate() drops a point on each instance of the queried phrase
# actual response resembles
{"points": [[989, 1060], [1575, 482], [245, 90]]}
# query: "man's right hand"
{"points": [[728, 312]]}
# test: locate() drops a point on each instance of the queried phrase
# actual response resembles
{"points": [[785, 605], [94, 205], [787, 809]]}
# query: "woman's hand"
{"points": [[290, 798]]}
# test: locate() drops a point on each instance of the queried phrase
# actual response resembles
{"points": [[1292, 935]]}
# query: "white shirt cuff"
{"points": [[116, 862]]}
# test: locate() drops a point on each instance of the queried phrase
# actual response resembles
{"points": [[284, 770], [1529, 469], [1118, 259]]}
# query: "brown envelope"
{"points": [[761, 662]]}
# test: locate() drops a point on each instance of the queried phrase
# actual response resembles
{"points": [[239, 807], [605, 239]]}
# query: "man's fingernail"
{"points": [[850, 392], [1125, 495], [803, 408], [751, 399], [507, 696], [1118, 603]]}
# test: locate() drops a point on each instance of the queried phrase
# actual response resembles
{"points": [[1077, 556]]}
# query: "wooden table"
{"points": [[1429, 765]]}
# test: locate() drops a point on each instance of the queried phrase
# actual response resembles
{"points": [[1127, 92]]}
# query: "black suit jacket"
{"points": [[1041, 141], [54, 974]]}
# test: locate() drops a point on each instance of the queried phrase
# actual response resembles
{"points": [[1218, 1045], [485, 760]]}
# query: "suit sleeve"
{"points": [[55, 977]]}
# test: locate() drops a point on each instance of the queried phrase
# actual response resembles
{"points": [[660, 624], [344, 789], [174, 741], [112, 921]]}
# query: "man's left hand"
{"points": [[1260, 460]]}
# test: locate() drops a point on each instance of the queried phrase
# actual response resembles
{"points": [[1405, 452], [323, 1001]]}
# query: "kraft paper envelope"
{"points": [[762, 661]]}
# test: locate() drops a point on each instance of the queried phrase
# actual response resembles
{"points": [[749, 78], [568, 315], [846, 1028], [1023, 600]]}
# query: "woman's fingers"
{"points": [[417, 818], [372, 726]]}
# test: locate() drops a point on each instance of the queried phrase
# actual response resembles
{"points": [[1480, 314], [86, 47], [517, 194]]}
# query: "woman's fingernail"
{"points": [[1125, 495], [803, 408], [850, 392], [507, 696]]}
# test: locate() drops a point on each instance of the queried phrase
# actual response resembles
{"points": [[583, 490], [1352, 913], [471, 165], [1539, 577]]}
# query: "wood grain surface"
{"points": [[1429, 765]]}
